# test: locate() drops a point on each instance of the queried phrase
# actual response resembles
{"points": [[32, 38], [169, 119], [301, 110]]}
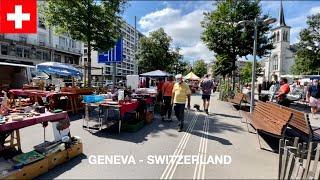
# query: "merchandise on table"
{"points": [[29, 157]]}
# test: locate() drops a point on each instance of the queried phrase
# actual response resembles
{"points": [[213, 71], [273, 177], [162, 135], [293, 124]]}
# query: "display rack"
{"points": [[10, 132]]}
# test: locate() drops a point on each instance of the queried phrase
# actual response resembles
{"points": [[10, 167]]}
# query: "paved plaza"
{"points": [[221, 134]]}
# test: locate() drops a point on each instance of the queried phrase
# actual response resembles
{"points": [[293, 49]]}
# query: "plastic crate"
{"points": [[129, 127], [92, 98]]}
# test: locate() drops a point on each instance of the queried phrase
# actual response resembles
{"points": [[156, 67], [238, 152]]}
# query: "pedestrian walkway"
{"points": [[222, 134], [219, 135]]}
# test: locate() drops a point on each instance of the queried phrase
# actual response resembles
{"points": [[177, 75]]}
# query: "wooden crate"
{"points": [[30, 171], [57, 158], [75, 150], [149, 117]]}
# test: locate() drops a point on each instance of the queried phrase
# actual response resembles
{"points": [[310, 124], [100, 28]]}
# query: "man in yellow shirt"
{"points": [[180, 93]]}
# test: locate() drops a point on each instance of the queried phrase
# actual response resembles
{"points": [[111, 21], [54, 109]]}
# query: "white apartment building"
{"points": [[101, 72]]}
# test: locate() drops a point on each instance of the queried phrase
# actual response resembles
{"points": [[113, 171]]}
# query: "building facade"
{"points": [[32, 49], [282, 56], [102, 72], [18, 51]]}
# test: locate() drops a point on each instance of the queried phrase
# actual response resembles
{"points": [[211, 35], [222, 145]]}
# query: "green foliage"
{"points": [[155, 53], [246, 72], [307, 59], [97, 23], [222, 66], [200, 68], [183, 67], [230, 41]]}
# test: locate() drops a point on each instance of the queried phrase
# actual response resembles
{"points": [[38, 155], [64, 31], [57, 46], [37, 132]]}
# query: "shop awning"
{"points": [[191, 76], [156, 73], [17, 65]]}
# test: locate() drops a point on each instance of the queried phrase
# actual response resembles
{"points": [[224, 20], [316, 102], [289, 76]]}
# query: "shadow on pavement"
{"points": [[140, 136], [215, 127], [60, 169], [225, 115]]}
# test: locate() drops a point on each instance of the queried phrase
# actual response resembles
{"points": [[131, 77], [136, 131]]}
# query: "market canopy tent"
{"points": [[60, 69], [156, 73], [191, 76]]}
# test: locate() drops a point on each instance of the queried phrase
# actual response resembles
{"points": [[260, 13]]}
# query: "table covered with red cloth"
{"points": [[124, 107], [45, 117], [29, 92]]}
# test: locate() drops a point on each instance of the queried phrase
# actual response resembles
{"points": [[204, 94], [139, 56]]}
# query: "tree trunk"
{"points": [[234, 75], [89, 64]]}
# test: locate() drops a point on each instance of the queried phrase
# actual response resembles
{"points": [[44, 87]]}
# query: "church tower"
{"points": [[281, 56]]}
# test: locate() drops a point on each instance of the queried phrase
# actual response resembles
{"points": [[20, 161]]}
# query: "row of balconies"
{"points": [[39, 42]]}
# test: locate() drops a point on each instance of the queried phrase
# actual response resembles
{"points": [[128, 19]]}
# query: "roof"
{"points": [[281, 16], [156, 73], [191, 76], [14, 64]]}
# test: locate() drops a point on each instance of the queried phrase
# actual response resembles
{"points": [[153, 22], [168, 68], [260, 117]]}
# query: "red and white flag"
{"points": [[18, 16]]}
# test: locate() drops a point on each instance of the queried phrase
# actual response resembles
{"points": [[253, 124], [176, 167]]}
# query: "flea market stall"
{"points": [[17, 164], [125, 112], [193, 81], [57, 97]]}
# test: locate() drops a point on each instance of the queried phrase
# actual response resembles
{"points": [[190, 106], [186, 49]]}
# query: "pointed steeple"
{"points": [[281, 21]]}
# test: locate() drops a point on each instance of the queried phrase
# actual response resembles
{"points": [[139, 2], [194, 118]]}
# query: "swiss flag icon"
{"points": [[18, 16]]}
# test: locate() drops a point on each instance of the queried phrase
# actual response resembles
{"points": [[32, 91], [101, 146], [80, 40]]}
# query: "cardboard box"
{"points": [[75, 150], [57, 158]]}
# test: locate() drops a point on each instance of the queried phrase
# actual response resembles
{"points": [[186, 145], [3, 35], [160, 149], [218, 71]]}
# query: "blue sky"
{"points": [[181, 20]]}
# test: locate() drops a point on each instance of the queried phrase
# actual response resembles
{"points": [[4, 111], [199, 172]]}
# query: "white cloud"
{"points": [[314, 10], [199, 51], [160, 18], [185, 29]]}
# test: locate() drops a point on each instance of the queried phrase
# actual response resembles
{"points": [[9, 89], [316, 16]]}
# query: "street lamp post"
{"points": [[253, 75]]}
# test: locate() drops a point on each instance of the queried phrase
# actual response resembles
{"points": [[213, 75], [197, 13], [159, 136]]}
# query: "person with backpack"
{"points": [[206, 87]]}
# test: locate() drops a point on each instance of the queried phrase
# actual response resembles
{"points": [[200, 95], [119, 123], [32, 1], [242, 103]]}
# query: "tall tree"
{"points": [[200, 68], [184, 67], [307, 59], [97, 23], [222, 66], [155, 53], [246, 72], [222, 36]]}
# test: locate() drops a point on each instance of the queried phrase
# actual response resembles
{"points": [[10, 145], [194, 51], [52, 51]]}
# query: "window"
{"points": [[19, 52], [73, 44], [46, 56], [284, 38], [275, 63], [62, 41], [4, 49], [76, 61], [57, 58], [278, 36], [85, 59], [85, 51], [26, 53], [39, 55], [42, 39]]}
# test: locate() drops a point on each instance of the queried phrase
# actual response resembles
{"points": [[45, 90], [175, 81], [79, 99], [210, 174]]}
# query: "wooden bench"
{"points": [[237, 100], [268, 119], [300, 121]]}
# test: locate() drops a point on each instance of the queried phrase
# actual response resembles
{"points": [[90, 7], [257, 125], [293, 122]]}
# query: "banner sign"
{"points": [[114, 55]]}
